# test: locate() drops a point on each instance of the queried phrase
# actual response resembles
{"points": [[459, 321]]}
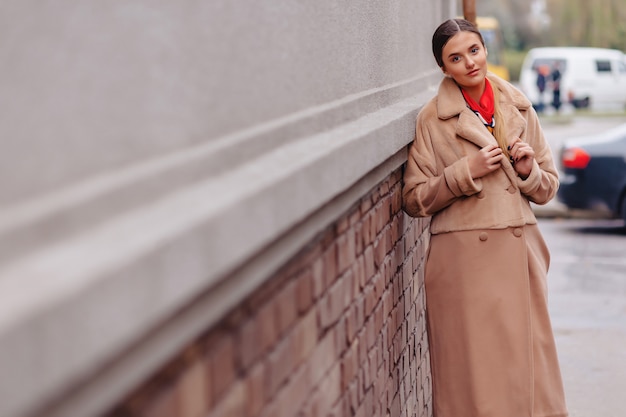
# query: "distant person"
{"points": [[478, 159], [556, 86], [542, 79]]}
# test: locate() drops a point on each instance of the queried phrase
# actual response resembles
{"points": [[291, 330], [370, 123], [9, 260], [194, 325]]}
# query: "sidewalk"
{"points": [[555, 209]]}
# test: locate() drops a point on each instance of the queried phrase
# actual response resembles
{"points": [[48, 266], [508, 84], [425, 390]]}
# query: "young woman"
{"points": [[478, 159]]}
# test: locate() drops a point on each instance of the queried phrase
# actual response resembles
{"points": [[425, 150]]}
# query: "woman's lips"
{"points": [[473, 72]]}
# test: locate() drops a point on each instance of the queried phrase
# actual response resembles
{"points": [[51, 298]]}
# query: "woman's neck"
{"points": [[475, 92]]}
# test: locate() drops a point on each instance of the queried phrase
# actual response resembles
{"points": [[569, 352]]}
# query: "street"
{"points": [[587, 284]]}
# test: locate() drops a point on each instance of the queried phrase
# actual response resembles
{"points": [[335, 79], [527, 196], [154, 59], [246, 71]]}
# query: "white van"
{"points": [[592, 78]]}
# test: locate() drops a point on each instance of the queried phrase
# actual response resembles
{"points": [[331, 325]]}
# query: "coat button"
{"points": [[483, 236], [517, 232]]}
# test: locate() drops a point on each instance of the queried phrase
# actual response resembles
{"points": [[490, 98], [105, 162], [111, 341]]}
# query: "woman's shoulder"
{"points": [[428, 117], [430, 108]]}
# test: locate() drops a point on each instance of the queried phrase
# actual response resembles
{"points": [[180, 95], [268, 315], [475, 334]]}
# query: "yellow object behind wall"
{"points": [[492, 34]]}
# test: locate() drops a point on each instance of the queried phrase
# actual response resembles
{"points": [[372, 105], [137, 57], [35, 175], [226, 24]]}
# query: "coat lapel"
{"points": [[471, 128], [451, 104]]}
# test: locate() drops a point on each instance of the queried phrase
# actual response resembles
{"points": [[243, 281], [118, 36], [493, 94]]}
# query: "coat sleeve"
{"points": [[430, 184], [543, 182]]}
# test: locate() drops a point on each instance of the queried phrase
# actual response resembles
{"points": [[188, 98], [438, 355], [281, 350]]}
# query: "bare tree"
{"points": [[600, 23]]}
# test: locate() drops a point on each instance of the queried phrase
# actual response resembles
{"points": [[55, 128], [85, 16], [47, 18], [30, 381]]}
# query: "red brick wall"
{"points": [[337, 331]]}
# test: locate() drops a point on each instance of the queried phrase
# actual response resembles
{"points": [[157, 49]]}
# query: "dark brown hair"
{"points": [[448, 29]]}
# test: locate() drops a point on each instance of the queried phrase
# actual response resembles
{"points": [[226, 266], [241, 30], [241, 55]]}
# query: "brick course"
{"points": [[337, 331]]}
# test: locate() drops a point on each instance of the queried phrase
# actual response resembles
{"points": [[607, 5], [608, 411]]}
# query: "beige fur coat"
{"points": [[437, 174], [490, 339]]}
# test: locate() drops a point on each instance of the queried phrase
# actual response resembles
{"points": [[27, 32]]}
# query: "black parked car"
{"points": [[594, 173]]}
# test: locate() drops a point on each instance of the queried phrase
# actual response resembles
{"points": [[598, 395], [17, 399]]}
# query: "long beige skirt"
{"points": [[491, 343]]}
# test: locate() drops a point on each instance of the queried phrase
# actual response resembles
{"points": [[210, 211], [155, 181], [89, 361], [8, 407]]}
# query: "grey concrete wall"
{"points": [[152, 148], [99, 86]]}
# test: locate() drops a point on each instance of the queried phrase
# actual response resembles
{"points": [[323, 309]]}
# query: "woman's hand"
{"points": [[485, 161], [522, 155]]}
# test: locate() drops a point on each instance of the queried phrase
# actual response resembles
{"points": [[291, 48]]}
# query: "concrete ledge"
{"points": [[42, 221], [73, 303]]}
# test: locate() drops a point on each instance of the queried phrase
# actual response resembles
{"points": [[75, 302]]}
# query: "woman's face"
{"points": [[465, 60]]}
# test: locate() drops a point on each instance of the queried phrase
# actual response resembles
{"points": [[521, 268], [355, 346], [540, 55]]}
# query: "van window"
{"points": [[603, 65], [621, 67], [549, 62]]}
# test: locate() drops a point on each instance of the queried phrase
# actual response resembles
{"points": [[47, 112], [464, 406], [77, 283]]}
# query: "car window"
{"points": [[621, 67], [603, 65]]}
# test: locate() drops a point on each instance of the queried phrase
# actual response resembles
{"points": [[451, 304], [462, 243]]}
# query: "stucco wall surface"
{"points": [[151, 149]]}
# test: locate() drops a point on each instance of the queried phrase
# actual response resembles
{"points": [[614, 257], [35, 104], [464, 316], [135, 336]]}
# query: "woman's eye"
{"points": [[475, 50], [456, 58]]}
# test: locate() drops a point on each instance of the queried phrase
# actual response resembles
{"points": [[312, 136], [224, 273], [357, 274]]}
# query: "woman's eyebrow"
{"points": [[457, 53]]}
